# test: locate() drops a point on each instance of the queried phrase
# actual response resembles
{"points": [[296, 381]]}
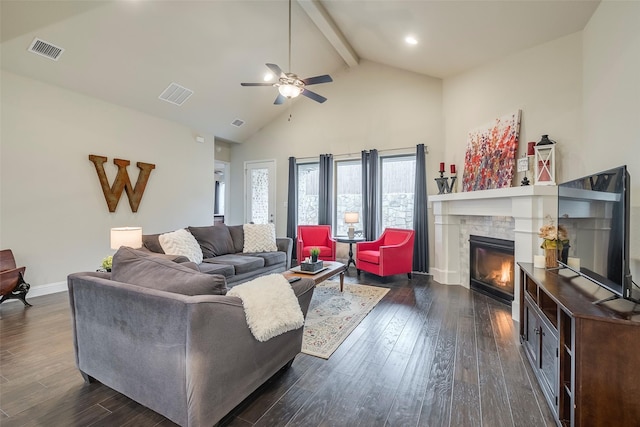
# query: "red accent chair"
{"points": [[315, 236], [391, 253]]}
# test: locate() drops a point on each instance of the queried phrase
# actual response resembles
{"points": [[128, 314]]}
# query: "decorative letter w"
{"points": [[112, 194]]}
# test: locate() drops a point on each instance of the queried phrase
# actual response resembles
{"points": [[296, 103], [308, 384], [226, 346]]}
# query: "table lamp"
{"points": [[126, 236], [351, 218]]}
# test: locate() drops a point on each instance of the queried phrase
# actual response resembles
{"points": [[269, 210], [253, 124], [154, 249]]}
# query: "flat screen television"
{"points": [[594, 210]]}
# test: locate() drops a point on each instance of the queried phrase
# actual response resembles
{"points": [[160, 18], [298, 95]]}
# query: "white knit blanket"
{"points": [[270, 306]]}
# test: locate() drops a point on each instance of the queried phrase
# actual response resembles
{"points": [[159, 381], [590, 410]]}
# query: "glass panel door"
{"points": [[260, 182]]}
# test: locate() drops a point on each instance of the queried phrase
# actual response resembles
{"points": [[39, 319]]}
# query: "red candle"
{"points": [[441, 166], [530, 149], [453, 169]]}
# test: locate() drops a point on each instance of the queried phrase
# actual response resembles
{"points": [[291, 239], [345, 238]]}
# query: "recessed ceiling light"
{"points": [[411, 40], [267, 77]]}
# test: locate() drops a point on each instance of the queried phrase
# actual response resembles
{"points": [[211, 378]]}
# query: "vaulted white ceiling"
{"points": [[127, 52]]}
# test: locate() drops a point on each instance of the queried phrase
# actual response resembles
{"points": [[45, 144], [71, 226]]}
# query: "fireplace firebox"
{"points": [[492, 267]]}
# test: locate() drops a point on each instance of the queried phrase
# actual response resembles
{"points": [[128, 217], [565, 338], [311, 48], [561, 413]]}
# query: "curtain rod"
{"points": [[426, 149]]}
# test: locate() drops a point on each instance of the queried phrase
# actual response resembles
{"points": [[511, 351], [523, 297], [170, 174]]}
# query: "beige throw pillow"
{"points": [[259, 238], [181, 242]]}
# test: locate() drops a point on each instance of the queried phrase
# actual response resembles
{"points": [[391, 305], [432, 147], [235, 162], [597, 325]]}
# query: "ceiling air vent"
{"points": [[237, 123], [46, 49], [176, 94]]}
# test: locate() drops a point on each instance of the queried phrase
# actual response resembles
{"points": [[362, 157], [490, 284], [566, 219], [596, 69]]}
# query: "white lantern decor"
{"points": [[545, 162]]}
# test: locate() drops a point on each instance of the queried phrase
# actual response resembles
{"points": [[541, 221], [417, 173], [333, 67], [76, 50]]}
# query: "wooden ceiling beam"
{"points": [[326, 25]]}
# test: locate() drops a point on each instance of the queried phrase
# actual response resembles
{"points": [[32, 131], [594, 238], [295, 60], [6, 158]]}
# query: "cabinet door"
{"points": [[549, 363], [532, 333]]}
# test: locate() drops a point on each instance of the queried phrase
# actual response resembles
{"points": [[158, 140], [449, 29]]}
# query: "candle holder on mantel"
{"points": [[443, 183]]}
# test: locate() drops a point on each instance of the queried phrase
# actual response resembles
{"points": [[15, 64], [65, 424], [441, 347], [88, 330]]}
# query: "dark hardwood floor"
{"points": [[426, 355]]}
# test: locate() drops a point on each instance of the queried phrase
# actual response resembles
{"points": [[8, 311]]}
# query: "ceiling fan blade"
{"points": [[313, 95], [276, 70], [279, 99], [317, 79], [256, 84]]}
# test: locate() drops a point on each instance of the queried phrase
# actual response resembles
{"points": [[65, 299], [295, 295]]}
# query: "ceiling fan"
{"points": [[289, 84]]}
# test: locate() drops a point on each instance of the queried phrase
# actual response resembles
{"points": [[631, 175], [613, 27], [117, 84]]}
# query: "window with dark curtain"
{"points": [[308, 183], [348, 197], [397, 191], [325, 197], [370, 211], [292, 202], [420, 214]]}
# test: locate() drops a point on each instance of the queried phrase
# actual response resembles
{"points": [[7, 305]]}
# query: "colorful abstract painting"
{"points": [[491, 151]]}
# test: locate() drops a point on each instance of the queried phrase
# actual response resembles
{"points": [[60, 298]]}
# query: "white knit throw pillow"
{"points": [[181, 242], [259, 238]]}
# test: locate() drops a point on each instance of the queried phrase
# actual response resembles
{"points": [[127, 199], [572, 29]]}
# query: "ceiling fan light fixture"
{"points": [[289, 84], [289, 90]]}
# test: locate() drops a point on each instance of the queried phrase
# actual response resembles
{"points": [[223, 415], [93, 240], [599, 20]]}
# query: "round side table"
{"points": [[345, 239]]}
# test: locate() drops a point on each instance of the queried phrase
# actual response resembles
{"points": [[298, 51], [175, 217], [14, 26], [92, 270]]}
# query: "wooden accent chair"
{"points": [[315, 236], [12, 284], [391, 253]]}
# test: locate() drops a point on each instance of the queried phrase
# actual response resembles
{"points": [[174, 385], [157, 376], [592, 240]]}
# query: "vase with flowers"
{"points": [[555, 239]]}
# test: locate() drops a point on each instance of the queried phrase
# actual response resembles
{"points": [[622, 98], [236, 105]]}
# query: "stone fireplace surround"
{"points": [[514, 213]]}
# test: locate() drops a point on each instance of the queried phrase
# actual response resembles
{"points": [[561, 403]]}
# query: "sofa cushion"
{"points": [[214, 240], [237, 235], [210, 267], [181, 242], [151, 242], [149, 271], [241, 263], [259, 238], [270, 258]]}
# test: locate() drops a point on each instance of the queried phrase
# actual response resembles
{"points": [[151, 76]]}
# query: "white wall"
{"points": [[611, 107], [53, 213], [369, 106], [544, 82]]}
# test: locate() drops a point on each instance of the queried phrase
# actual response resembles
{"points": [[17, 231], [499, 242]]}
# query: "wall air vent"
{"points": [[237, 123], [176, 94], [46, 49]]}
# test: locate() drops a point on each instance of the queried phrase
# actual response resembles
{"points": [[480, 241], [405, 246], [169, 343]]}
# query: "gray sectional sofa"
{"points": [[167, 337], [222, 250]]}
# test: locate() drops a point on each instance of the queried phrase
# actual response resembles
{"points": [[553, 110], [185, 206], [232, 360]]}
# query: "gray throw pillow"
{"points": [[151, 242], [214, 240], [237, 234], [149, 271]]}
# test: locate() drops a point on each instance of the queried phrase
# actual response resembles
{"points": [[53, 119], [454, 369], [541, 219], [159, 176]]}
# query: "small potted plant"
{"points": [[314, 254], [107, 263]]}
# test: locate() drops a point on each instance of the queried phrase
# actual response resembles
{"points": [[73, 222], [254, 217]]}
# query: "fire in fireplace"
{"points": [[492, 267]]}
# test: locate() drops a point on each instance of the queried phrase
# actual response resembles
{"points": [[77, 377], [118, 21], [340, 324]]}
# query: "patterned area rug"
{"points": [[333, 315]]}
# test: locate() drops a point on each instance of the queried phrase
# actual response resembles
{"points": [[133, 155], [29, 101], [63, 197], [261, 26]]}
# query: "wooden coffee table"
{"points": [[331, 269]]}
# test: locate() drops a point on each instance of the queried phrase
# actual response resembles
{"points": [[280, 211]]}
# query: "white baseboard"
{"points": [[38, 291], [49, 288]]}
